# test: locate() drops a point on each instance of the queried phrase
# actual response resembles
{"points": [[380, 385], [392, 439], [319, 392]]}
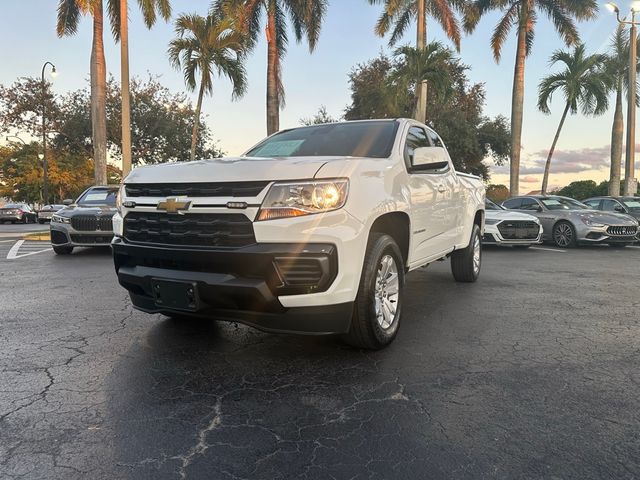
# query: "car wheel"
{"points": [[466, 263], [564, 235], [62, 250], [377, 309]]}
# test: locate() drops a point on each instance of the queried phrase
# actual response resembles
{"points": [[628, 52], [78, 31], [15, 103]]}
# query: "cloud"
{"points": [[565, 161], [530, 179]]}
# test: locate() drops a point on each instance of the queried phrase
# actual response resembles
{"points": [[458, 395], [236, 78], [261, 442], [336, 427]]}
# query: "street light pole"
{"points": [[45, 187]]}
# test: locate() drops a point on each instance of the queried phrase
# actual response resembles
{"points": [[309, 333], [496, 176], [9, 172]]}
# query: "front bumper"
{"points": [[63, 234], [242, 284], [492, 236], [587, 234]]}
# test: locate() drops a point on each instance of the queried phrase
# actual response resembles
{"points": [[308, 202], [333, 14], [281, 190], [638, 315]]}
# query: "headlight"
{"points": [[59, 219], [591, 223], [294, 199], [119, 197], [492, 221]]}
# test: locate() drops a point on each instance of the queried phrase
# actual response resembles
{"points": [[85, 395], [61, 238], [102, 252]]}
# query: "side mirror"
{"points": [[430, 158], [68, 202], [537, 209], [620, 208]]}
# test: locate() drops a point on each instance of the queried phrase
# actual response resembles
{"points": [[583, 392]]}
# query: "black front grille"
{"points": [[622, 231], [92, 239], [227, 189], [519, 230], [193, 229], [299, 271], [92, 223]]}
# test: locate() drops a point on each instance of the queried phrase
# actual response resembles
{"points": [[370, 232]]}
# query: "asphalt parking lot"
{"points": [[533, 372]]}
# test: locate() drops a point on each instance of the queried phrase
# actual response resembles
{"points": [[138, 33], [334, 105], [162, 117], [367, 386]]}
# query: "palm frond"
{"points": [[68, 18]]}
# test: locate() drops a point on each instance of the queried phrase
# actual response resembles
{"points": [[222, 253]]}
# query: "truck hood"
{"points": [[231, 169], [74, 210]]}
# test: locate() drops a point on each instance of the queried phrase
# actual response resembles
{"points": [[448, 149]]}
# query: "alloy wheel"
{"points": [[387, 292], [563, 235]]}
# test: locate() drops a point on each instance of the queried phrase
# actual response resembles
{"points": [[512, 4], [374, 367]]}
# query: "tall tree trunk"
{"points": [[196, 123], [273, 73], [617, 135], [421, 43], [545, 178], [98, 97], [517, 101], [124, 80]]}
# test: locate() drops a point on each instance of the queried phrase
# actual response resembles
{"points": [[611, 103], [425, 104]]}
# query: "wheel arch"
{"points": [[398, 226]]}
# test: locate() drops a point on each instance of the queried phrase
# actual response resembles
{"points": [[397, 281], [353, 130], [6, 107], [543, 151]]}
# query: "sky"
{"points": [[28, 39]]}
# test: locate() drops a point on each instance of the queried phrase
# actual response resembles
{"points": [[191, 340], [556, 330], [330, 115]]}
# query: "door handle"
{"points": [[441, 188]]}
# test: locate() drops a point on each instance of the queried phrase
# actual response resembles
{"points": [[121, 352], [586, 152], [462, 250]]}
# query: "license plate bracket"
{"points": [[175, 294]]}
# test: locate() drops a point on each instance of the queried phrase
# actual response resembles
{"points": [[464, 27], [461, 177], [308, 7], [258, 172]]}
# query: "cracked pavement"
{"points": [[533, 372]]}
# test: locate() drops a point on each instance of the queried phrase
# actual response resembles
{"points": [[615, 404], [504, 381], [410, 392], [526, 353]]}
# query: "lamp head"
{"points": [[54, 72], [612, 7]]}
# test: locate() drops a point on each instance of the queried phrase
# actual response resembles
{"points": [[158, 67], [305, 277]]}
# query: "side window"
{"points": [[435, 139], [595, 204], [416, 138], [513, 204], [529, 204], [609, 205]]}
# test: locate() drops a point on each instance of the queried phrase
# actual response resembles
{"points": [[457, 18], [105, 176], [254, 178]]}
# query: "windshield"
{"points": [[98, 196], [489, 205], [632, 204], [562, 203], [351, 139]]}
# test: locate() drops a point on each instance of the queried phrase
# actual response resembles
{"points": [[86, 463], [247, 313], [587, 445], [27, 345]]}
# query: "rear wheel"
{"points": [[564, 235], [377, 309], [466, 263], [62, 250]]}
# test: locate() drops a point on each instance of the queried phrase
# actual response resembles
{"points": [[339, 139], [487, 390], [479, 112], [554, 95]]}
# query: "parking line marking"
{"points": [[549, 249], [13, 252]]}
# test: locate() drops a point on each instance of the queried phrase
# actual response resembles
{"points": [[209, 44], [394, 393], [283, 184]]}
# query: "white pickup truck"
{"points": [[311, 231]]}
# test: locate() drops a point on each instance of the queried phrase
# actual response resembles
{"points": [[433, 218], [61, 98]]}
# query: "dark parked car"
{"points": [[46, 212], [567, 222], [85, 223], [17, 212]]}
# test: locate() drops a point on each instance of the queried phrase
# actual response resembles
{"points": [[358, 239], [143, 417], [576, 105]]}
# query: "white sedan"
{"points": [[506, 227]]}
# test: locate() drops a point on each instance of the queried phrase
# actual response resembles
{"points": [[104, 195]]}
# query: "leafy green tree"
{"points": [[69, 13], [322, 116], [206, 45], [497, 193], [584, 84], [306, 18], [524, 16]]}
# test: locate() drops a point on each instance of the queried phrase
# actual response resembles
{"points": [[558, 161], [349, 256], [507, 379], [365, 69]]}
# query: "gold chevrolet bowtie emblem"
{"points": [[174, 205]]}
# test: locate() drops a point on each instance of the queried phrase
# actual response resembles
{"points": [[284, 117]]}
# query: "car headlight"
{"points": [[492, 221], [119, 197], [294, 199], [59, 219], [591, 223]]}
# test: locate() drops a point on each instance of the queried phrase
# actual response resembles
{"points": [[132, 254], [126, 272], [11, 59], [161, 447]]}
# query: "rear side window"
{"points": [[595, 204], [513, 204], [610, 205], [529, 204]]}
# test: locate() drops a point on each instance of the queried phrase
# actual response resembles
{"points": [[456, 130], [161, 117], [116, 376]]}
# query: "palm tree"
{"points": [[306, 18], [523, 14], [397, 16], [69, 13], [584, 82], [618, 68], [204, 45]]}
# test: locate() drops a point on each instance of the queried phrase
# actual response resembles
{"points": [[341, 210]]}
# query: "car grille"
{"points": [[299, 271], [194, 229], [519, 230], [91, 239], [622, 231], [92, 223], [227, 189]]}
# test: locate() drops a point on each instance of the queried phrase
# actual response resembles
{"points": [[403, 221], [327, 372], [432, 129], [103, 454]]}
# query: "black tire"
{"points": [[367, 329], [41, 222], [466, 263], [62, 250], [563, 235]]}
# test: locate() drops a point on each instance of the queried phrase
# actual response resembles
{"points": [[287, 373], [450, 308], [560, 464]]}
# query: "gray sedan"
{"points": [[567, 222]]}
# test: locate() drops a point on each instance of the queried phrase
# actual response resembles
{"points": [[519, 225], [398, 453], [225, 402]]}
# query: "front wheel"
{"points": [[377, 309], [466, 263], [564, 235]]}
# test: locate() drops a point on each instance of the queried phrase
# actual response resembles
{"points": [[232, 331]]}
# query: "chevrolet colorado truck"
{"points": [[311, 231]]}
